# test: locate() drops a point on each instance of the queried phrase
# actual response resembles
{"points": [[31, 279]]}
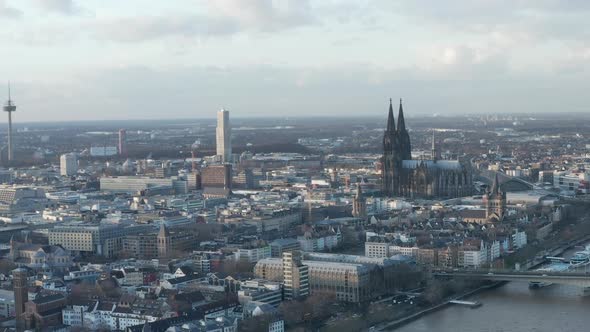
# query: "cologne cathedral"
{"points": [[433, 178]]}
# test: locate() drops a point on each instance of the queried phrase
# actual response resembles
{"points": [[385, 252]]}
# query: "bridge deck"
{"points": [[576, 278]]}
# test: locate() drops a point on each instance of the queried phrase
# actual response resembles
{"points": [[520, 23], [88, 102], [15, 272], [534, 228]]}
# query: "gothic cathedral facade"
{"points": [[433, 178]]}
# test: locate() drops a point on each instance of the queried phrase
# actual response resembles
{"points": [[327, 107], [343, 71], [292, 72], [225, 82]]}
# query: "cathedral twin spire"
{"points": [[401, 123], [390, 120], [398, 138]]}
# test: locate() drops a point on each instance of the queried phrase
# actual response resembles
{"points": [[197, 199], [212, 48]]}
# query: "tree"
{"points": [[292, 311], [6, 266], [434, 292], [79, 329], [108, 288], [406, 276], [318, 304], [255, 324]]}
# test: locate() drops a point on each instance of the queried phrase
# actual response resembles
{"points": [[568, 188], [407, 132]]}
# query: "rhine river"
{"points": [[513, 308]]}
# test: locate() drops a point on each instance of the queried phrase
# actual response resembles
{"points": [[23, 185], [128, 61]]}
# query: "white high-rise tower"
{"points": [[223, 136], [10, 107], [68, 164]]}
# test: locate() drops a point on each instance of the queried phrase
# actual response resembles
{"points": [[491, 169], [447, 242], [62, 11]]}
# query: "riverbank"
{"points": [[408, 319], [513, 307], [531, 264]]}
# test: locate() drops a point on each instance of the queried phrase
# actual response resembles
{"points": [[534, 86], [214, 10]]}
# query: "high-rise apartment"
{"points": [[295, 275], [223, 136], [68, 164]]}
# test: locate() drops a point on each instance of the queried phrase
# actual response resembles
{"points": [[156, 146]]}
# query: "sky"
{"points": [[154, 59]]}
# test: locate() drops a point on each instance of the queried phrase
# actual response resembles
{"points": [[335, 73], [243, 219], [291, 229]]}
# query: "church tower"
{"points": [[403, 135], [163, 242], [359, 204], [495, 201], [21, 294], [435, 152], [391, 162]]}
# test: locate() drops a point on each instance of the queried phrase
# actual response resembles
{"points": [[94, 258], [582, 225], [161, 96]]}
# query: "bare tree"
{"points": [[255, 324], [6, 266], [292, 311]]}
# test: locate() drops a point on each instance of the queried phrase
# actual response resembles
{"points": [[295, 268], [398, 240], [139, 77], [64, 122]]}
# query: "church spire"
{"points": [[401, 123], [495, 186], [390, 120], [163, 231]]}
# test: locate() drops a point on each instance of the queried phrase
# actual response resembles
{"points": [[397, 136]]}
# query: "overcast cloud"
{"points": [[110, 59]]}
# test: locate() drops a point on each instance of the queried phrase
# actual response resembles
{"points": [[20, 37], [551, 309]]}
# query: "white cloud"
{"points": [[7, 11], [139, 29], [225, 17], [66, 7], [264, 15]]}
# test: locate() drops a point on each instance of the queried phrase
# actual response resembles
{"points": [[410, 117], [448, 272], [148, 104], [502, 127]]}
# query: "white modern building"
{"points": [[472, 257], [572, 182], [385, 250], [223, 136], [253, 255], [519, 239], [377, 249], [321, 243], [68, 164], [133, 183], [103, 151], [6, 303]]}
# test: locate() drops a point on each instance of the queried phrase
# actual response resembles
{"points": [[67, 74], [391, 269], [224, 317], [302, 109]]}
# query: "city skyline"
{"points": [[245, 166], [280, 58]]}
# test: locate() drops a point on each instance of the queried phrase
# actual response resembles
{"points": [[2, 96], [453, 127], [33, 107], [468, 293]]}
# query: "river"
{"points": [[513, 308]]}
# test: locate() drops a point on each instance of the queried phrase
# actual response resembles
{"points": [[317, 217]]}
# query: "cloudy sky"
{"points": [[149, 59]]}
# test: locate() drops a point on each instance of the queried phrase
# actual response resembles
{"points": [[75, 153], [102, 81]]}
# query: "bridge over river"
{"points": [[564, 278]]}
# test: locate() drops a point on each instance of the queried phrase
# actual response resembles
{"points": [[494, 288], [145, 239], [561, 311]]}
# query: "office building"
{"points": [[132, 183], [279, 246], [7, 308], [295, 275], [349, 278], [103, 151], [571, 182], [217, 180], [348, 282], [194, 180], [244, 180], [141, 246], [223, 136], [100, 239], [260, 290], [279, 220], [253, 254], [68, 164]]}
